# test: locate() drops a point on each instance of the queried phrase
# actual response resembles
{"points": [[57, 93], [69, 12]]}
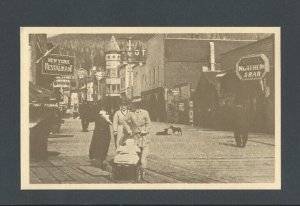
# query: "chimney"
{"points": [[212, 56]]}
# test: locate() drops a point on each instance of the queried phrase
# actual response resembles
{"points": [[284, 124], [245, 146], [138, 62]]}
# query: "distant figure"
{"points": [[241, 123], [101, 138], [84, 112], [75, 111], [117, 123]]}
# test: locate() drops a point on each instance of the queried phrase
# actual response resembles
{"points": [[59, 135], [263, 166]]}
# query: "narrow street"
{"points": [[198, 156]]}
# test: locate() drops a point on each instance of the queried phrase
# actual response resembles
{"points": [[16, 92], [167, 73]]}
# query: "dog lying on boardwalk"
{"points": [[165, 132], [176, 129]]}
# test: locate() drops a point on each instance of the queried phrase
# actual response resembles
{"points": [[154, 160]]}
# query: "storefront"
{"points": [[154, 101], [44, 117], [249, 80], [206, 101]]}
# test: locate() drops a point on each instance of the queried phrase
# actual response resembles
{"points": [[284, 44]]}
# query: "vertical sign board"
{"points": [[58, 65], [191, 112], [252, 67]]}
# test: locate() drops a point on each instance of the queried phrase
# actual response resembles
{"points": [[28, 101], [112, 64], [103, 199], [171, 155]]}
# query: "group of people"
{"points": [[125, 123]]}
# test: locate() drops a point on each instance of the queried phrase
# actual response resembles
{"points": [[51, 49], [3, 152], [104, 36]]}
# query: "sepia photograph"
{"points": [[150, 108]]}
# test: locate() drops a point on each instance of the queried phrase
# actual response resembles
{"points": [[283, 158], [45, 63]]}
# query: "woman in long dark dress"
{"points": [[101, 139]]}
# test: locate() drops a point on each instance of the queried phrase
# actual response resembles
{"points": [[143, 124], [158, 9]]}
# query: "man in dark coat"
{"points": [[84, 112], [241, 125]]}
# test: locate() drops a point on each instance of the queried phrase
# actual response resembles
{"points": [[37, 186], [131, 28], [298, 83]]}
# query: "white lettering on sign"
{"points": [[60, 68], [252, 67], [59, 61], [58, 65]]}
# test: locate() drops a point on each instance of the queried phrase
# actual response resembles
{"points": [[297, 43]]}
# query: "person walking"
{"points": [[241, 125], [117, 123], [84, 112], [137, 122], [101, 139]]}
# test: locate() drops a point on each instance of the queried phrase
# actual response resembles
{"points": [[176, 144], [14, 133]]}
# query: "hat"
{"points": [[102, 112], [136, 100], [124, 102], [129, 142]]}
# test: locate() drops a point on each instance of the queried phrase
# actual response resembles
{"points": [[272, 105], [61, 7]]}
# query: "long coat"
{"points": [[101, 139], [136, 122], [118, 125]]}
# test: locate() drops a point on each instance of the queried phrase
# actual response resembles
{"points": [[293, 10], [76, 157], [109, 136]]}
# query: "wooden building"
{"points": [[259, 93], [174, 61]]}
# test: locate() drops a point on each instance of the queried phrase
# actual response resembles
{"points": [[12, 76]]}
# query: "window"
{"points": [[150, 77], [143, 82], [157, 79], [113, 88], [122, 82], [107, 88], [113, 72], [154, 75]]}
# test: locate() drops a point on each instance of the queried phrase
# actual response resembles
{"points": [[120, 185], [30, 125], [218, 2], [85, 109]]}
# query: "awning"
{"points": [[41, 95], [224, 73]]}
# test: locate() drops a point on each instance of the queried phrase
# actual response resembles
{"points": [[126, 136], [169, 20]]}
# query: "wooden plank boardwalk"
{"points": [[198, 156]]}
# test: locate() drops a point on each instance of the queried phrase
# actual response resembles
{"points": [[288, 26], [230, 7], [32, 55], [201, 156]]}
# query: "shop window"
{"points": [[113, 88], [107, 88]]}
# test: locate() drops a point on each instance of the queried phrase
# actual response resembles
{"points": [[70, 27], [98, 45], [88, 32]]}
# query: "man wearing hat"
{"points": [[138, 121], [117, 123]]}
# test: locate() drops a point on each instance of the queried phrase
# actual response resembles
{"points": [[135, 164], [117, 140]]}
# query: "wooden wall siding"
{"points": [[155, 61]]}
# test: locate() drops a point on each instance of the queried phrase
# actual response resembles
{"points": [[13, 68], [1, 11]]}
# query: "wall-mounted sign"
{"points": [[252, 67], [181, 106], [81, 73], [191, 116], [58, 65]]}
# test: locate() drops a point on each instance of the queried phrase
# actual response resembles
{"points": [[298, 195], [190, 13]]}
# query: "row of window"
{"points": [[154, 75], [114, 57], [112, 88]]}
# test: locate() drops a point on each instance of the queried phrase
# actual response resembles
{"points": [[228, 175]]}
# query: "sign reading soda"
{"points": [[58, 65], [252, 67]]}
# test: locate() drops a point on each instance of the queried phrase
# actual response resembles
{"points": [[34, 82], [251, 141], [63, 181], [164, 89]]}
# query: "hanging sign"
{"points": [[59, 65], [253, 67]]}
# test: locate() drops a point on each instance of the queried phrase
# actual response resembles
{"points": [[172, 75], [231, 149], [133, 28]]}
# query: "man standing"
{"points": [[117, 123], [137, 121], [241, 125], [84, 112]]}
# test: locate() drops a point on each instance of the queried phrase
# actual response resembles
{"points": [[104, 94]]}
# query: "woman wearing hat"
{"points": [[117, 123], [138, 121], [101, 138]]}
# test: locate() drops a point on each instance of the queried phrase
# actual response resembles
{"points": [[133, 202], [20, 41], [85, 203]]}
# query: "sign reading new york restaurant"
{"points": [[252, 67], [58, 65]]}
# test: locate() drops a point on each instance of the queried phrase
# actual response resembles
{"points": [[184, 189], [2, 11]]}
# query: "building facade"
{"points": [[139, 80], [173, 61], [259, 94]]}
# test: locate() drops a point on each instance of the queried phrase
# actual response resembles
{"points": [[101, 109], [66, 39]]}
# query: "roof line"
{"points": [[190, 61], [257, 42], [211, 39]]}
